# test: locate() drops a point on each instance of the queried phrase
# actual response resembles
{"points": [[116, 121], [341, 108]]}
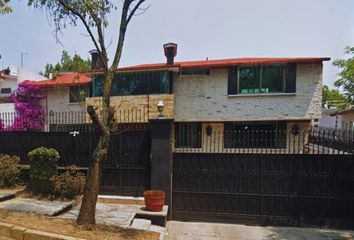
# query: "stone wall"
{"points": [[138, 108], [205, 98]]}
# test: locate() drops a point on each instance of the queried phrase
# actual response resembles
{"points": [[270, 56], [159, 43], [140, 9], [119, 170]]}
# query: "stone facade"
{"points": [[205, 99], [139, 108]]}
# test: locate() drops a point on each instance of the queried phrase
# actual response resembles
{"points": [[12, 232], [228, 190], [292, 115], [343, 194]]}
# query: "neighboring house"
{"points": [[259, 94], [11, 77], [337, 119]]}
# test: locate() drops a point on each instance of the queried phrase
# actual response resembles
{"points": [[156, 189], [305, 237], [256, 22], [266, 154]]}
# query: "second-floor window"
{"points": [[136, 83], [262, 79], [5, 90]]}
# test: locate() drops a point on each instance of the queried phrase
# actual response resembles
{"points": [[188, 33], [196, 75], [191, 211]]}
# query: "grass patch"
{"points": [[70, 228]]}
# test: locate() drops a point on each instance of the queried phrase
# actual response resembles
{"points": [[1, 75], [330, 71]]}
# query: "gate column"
{"points": [[161, 157]]}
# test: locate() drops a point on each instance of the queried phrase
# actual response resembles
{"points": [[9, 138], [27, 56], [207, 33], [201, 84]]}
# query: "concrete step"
{"points": [[115, 199], [141, 224], [6, 196]]}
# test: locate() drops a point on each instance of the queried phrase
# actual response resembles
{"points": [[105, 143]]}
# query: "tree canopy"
{"points": [[4, 7], [333, 98], [346, 76], [67, 64]]}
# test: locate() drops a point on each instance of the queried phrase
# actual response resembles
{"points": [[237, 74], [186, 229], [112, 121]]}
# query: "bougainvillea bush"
{"points": [[30, 114], [2, 126]]}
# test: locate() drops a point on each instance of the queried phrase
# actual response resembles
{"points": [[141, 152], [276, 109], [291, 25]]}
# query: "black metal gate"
{"points": [[126, 170], [266, 189]]}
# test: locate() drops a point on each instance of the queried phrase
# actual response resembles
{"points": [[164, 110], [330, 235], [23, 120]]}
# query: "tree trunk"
{"points": [[86, 216], [87, 212]]}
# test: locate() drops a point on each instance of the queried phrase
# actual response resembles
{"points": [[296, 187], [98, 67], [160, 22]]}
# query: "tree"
{"points": [[346, 76], [67, 64], [93, 15], [333, 98], [4, 7]]}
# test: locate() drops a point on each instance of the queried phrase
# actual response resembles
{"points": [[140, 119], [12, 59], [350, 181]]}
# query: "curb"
{"points": [[21, 233]]}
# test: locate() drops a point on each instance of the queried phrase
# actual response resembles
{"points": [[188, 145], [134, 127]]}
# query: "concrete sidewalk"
{"points": [[213, 231]]}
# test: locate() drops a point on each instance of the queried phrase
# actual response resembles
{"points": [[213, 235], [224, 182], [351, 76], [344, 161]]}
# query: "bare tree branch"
{"points": [[125, 18], [135, 8], [88, 29]]}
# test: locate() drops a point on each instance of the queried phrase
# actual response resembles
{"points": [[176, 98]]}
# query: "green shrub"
{"points": [[9, 170], [43, 166], [68, 184]]}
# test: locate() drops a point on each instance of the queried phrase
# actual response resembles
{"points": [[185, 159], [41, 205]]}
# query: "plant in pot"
{"points": [[154, 200]]}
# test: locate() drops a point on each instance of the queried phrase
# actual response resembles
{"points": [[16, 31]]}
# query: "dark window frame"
{"points": [[188, 134], [75, 93], [288, 81], [5, 90]]}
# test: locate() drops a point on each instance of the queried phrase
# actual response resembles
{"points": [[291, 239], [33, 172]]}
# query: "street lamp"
{"points": [[22, 54], [160, 107]]}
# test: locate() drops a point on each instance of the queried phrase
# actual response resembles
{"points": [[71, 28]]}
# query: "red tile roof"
{"points": [[221, 63], [66, 79]]}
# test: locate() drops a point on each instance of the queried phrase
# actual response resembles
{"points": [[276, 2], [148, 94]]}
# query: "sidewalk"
{"points": [[213, 231]]}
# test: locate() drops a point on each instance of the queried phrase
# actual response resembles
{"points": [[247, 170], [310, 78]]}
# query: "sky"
{"points": [[201, 28]]}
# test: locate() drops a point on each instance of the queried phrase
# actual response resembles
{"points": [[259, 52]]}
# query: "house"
{"points": [[66, 92], [337, 119], [219, 96], [10, 78]]}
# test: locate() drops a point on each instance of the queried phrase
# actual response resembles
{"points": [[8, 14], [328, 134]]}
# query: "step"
{"points": [[121, 199], [141, 224], [6, 196]]}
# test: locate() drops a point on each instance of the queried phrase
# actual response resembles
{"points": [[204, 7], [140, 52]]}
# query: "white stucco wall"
{"points": [[8, 83], [205, 98], [58, 101]]}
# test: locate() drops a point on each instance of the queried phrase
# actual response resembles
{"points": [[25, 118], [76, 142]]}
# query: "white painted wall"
{"points": [[58, 101]]}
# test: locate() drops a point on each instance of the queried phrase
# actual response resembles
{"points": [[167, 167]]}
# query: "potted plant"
{"points": [[154, 200]]}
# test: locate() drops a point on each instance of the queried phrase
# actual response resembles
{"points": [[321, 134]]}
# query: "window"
{"points": [[255, 134], [136, 83], [5, 90], [195, 71], [262, 79], [78, 93], [188, 135]]}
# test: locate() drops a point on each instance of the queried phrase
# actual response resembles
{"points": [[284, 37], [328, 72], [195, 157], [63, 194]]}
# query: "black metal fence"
{"points": [[126, 170], [311, 141], [69, 120]]}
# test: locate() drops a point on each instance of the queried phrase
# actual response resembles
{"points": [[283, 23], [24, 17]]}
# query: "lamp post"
{"points": [[160, 106], [22, 54]]}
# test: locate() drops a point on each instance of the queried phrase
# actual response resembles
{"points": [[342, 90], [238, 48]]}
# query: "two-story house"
{"points": [[220, 96]]}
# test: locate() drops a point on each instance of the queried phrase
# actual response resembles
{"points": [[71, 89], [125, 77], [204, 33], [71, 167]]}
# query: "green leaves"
{"points": [[67, 64], [346, 76], [4, 7]]}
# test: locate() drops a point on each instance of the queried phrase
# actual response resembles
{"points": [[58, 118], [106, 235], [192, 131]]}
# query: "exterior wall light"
{"points": [[295, 129], [209, 130], [160, 106]]}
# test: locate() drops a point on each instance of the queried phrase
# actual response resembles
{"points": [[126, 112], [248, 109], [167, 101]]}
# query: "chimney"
{"points": [[96, 60], [170, 50]]}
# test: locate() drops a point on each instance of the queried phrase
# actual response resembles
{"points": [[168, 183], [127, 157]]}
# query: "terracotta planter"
{"points": [[154, 200]]}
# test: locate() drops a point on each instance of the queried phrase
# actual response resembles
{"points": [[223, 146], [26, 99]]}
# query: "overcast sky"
{"points": [[201, 28]]}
